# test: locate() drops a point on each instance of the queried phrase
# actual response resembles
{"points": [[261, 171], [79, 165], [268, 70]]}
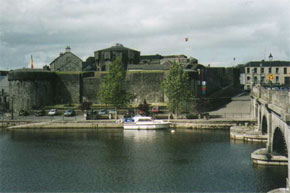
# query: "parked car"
{"points": [[91, 112], [39, 112], [112, 111], [23, 113], [102, 112], [69, 112], [155, 109], [129, 114], [52, 112]]}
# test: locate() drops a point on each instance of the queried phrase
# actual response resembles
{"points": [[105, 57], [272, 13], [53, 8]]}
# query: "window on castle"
{"points": [[277, 70], [285, 70], [255, 70], [262, 70], [107, 55], [277, 79], [270, 70], [248, 70]]}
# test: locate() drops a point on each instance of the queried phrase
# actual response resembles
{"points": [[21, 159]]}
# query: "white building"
{"points": [[257, 72]]}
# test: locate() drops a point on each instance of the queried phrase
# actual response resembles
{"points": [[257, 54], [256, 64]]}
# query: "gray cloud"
{"points": [[217, 30]]}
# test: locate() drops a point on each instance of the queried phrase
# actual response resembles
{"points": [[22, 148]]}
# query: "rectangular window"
{"points": [[248, 70], [277, 70], [285, 70], [277, 79], [270, 70], [263, 79], [255, 79], [107, 55], [255, 70], [262, 70], [248, 78]]}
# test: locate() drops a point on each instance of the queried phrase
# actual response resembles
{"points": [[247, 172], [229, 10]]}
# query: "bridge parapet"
{"points": [[256, 92], [266, 94], [281, 99]]}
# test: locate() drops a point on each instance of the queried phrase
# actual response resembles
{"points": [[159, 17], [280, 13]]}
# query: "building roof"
{"points": [[62, 54], [267, 63], [117, 47], [148, 67], [151, 57]]}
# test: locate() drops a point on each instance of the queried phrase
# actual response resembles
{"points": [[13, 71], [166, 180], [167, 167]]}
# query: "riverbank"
{"points": [[95, 124]]}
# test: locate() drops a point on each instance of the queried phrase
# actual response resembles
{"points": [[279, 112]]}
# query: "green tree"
{"points": [[176, 87], [112, 90]]}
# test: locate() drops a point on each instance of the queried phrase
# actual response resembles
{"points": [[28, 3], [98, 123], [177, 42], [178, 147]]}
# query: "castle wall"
{"points": [[35, 88], [30, 89], [145, 85], [67, 88], [91, 86]]}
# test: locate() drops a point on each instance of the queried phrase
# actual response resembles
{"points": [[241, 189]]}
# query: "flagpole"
{"points": [[31, 63]]}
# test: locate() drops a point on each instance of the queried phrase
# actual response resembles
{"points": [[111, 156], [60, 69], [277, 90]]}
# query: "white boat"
{"points": [[140, 122]]}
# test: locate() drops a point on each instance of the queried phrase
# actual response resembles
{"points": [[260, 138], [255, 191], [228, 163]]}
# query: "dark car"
{"points": [[69, 112], [102, 112], [130, 113], [91, 112], [23, 113], [39, 112]]}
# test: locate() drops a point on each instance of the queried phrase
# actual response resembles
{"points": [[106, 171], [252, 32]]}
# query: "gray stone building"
{"points": [[67, 62], [106, 56]]}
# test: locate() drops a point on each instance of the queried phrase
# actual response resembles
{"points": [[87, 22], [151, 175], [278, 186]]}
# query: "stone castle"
{"points": [[70, 80]]}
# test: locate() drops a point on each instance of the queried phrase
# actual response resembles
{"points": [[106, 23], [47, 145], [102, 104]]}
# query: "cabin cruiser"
{"points": [[141, 122]]}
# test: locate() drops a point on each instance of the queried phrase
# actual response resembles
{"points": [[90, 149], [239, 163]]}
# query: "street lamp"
{"points": [[270, 59]]}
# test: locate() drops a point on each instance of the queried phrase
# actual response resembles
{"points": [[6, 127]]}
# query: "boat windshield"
{"points": [[144, 120]]}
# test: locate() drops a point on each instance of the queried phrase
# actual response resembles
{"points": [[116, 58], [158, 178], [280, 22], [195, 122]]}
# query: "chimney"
{"points": [[67, 49]]}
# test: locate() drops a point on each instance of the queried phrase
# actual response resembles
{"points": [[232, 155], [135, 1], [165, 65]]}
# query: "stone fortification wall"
{"points": [[91, 86], [35, 88], [67, 88], [30, 89], [146, 85], [218, 78]]}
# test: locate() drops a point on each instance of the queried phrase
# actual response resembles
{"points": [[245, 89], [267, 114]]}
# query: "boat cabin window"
{"points": [[144, 120]]}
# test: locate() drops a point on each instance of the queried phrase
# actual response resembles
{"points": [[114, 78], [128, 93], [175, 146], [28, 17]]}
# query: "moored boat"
{"points": [[140, 122]]}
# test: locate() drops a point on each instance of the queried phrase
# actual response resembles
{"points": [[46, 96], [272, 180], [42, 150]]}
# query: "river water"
{"points": [[131, 161]]}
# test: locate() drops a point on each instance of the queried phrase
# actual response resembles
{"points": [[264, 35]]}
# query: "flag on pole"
{"points": [[186, 39], [31, 63]]}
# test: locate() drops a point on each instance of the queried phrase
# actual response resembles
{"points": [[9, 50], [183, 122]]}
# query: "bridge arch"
{"points": [[279, 143], [264, 126]]}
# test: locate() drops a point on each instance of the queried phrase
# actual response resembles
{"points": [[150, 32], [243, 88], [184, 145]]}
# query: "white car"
{"points": [[52, 112]]}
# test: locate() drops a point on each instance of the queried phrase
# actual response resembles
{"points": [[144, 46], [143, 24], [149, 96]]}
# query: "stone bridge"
{"points": [[271, 109]]}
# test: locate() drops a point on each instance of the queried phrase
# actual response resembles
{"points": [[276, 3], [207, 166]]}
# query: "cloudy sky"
{"points": [[218, 30]]}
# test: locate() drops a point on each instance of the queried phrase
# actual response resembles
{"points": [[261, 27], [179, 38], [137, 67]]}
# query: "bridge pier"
{"points": [[272, 112]]}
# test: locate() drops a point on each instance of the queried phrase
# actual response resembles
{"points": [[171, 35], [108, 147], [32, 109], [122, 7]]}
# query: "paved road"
{"points": [[239, 106]]}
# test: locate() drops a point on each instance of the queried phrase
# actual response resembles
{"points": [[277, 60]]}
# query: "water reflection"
{"points": [[126, 161]]}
